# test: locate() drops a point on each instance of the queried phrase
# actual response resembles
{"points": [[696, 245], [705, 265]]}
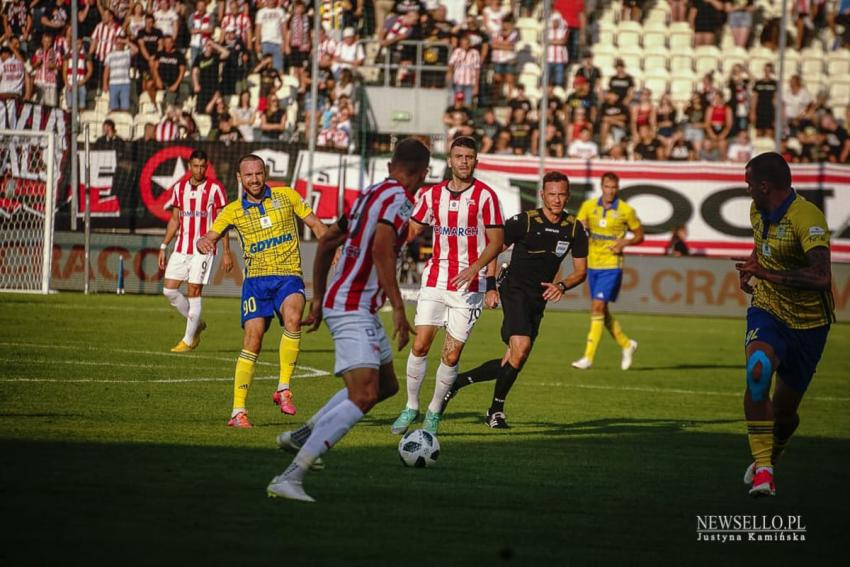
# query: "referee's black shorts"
{"points": [[521, 314]]}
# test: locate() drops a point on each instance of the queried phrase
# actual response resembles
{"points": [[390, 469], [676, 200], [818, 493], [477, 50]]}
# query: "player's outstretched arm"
{"points": [[816, 275], [637, 238], [383, 251], [170, 231], [330, 240], [495, 239], [318, 227], [206, 243]]}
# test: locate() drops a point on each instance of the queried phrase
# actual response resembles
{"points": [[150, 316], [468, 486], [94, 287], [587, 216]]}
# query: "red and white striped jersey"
{"points": [[355, 286], [466, 66], [103, 39], [198, 208], [242, 23], [167, 131], [82, 64], [201, 28], [459, 221], [558, 32]]}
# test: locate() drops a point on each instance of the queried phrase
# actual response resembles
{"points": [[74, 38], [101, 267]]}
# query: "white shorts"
{"points": [[359, 340], [457, 311], [194, 268]]}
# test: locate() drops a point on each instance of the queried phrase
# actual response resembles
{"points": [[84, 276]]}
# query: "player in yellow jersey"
{"points": [[608, 220], [265, 220], [789, 275]]}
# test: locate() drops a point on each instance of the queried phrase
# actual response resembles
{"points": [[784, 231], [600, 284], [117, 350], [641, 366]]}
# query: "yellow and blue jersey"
{"points": [[781, 243], [605, 227], [267, 231]]}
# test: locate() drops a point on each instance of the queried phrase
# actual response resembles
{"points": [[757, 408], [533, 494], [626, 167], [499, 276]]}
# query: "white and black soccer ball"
{"points": [[418, 448]]}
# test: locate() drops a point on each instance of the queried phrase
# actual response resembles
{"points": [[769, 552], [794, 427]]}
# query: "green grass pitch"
{"points": [[114, 451]]}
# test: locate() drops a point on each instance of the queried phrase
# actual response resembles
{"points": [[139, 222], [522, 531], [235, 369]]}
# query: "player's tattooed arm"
{"points": [[816, 275]]}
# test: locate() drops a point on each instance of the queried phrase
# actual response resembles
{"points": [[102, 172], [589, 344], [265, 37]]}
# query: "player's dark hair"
{"points": [[249, 157], [109, 122], [612, 176], [199, 154], [772, 168], [555, 177], [464, 142], [411, 154]]}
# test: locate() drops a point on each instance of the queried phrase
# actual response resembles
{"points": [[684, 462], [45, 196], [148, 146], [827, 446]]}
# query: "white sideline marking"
{"points": [[669, 391], [157, 381], [307, 371]]}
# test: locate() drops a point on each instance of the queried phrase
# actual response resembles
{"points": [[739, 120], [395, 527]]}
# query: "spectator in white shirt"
{"points": [[796, 98], [741, 150], [13, 76], [349, 54], [584, 147], [116, 74], [270, 30]]}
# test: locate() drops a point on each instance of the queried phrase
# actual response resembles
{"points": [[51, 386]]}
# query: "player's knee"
{"points": [[450, 358], [759, 372], [364, 398]]}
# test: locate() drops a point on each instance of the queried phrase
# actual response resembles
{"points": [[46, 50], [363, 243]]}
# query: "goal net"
{"points": [[27, 206]]}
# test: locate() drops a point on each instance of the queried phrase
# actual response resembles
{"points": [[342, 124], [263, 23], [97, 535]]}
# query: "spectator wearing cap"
{"points": [[116, 73], [168, 70], [297, 41], [206, 74], [237, 64], [464, 70], [621, 83], [557, 55], [504, 57], [458, 105], [573, 13], [582, 97], [590, 72], [14, 80], [200, 29], [47, 65], [270, 27], [349, 54], [83, 68]]}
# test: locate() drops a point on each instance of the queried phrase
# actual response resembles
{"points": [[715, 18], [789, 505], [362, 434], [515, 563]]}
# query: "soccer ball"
{"points": [[418, 449]]}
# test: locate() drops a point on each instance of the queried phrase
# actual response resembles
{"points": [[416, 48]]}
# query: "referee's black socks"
{"points": [[490, 370], [504, 383]]}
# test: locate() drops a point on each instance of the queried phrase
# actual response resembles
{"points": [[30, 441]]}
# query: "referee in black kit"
{"points": [[541, 239]]}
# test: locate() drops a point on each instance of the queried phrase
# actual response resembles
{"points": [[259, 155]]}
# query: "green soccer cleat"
{"points": [[431, 422], [405, 418]]}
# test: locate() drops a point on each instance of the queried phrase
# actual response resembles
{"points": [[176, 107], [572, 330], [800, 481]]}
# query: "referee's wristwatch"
{"points": [[562, 286]]}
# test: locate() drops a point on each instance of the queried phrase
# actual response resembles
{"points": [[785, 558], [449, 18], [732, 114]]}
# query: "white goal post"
{"points": [[27, 208]]}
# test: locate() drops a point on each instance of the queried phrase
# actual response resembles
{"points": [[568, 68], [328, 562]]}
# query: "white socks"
{"points": [[416, 367], [335, 399], [192, 320], [330, 428], [178, 300], [446, 376]]}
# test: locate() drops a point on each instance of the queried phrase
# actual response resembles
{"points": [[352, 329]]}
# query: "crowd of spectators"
{"points": [[228, 61]]}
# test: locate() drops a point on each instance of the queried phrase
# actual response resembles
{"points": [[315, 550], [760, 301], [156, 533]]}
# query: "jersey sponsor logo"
{"points": [[266, 222], [405, 210], [351, 251], [196, 214], [455, 230], [269, 243], [597, 236], [555, 230], [816, 231]]}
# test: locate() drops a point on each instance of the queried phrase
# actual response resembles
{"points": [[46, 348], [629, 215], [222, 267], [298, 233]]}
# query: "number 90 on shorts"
{"points": [[457, 311]]}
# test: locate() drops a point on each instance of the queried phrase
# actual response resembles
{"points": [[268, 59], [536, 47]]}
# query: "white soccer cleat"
{"points": [[282, 487], [750, 473], [583, 363], [628, 354]]}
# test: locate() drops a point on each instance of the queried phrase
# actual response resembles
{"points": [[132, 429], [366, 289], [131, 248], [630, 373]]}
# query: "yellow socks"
{"points": [[245, 366], [760, 434], [290, 345], [614, 328], [594, 336]]}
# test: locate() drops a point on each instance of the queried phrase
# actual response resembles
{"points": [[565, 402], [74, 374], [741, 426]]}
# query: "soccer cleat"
{"points": [[750, 473], [496, 420], [183, 347], [283, 399], [431, 422], [282, 487], [447, 398], [240, 420], [286, 442], [582, 363], [628, 353], [763, 484], [405, 418]]}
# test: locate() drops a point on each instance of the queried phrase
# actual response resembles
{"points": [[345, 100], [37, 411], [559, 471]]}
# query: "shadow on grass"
{"points": [[562, 499], [686, 367]]}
